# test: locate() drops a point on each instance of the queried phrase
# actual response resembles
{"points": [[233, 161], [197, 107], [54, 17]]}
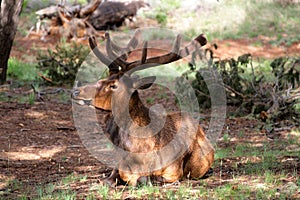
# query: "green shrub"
{"points": [[21, 71], [61, 65], [253, 87], [161, 17]]}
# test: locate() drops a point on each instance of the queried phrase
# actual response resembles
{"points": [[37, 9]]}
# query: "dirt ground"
{"points": [[39, 143], [26, 48]]}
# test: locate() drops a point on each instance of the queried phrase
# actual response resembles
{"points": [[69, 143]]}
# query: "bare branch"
{"points": [[89, 8]]}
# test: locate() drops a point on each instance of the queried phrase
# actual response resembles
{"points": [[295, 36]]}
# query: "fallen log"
{"points": [[110, 15], [78, 21]]}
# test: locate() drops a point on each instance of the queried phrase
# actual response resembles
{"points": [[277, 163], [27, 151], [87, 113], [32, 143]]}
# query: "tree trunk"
{"points": [[9, 18]]}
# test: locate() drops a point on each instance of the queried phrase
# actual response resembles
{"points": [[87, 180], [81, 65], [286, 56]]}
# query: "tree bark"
{"points": [[9, 17]]}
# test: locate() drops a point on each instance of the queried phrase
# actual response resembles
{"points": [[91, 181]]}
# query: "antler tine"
{"points": [[113, 67], [144, 53], [134, 41], [116, 58], [177, 43], [109, 50], [132, 44], [201, 39]]}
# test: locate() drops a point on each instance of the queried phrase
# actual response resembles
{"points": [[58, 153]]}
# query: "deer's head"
{"points": [[120, 83]]}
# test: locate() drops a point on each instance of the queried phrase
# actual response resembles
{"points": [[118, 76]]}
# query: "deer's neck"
{"points": [[138, 111]]}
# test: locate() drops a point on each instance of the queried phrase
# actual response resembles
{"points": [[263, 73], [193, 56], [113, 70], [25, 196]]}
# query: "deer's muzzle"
{"points": [[78, 99]]}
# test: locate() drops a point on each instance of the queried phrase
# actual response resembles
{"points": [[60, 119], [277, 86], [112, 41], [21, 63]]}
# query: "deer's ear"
{"points": [[144, 83]]}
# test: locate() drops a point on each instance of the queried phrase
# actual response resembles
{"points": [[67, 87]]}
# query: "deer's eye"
{"points": [[113, 86]]}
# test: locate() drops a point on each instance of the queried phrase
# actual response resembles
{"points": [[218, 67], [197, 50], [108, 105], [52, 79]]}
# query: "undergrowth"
{"points": [[21, 71], [61, 65], [271, 87]]}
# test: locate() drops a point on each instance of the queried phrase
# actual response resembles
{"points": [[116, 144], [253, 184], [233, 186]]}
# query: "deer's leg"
{"points": [[131, 179], [143, 180], [200, 160], [172, 173], [196, 167]]}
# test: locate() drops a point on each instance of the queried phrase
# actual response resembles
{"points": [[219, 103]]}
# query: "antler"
{"points": [[114, 61]]}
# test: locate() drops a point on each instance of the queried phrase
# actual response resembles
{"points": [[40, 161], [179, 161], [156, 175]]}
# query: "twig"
{"points": [[71, 128], [45, 78], [41, 93], [29, 32], [287, 128], [202, 93], [234, 91], [253, 76]]}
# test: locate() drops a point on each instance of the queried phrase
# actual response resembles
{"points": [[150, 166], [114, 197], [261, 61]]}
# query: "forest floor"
{"points": [[43, 157], [42, 154]]}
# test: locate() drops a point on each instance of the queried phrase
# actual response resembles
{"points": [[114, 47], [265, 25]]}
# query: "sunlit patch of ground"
{"points": [[32, 153]]}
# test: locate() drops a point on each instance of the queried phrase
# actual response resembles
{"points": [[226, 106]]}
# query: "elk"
{"points": [[164, 147]]}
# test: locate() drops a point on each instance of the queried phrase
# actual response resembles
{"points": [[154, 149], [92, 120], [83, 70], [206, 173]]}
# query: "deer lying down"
{"points": [[166, 147]]}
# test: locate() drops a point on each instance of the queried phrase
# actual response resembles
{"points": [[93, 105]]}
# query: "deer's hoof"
{"points": [[111, 182]]}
